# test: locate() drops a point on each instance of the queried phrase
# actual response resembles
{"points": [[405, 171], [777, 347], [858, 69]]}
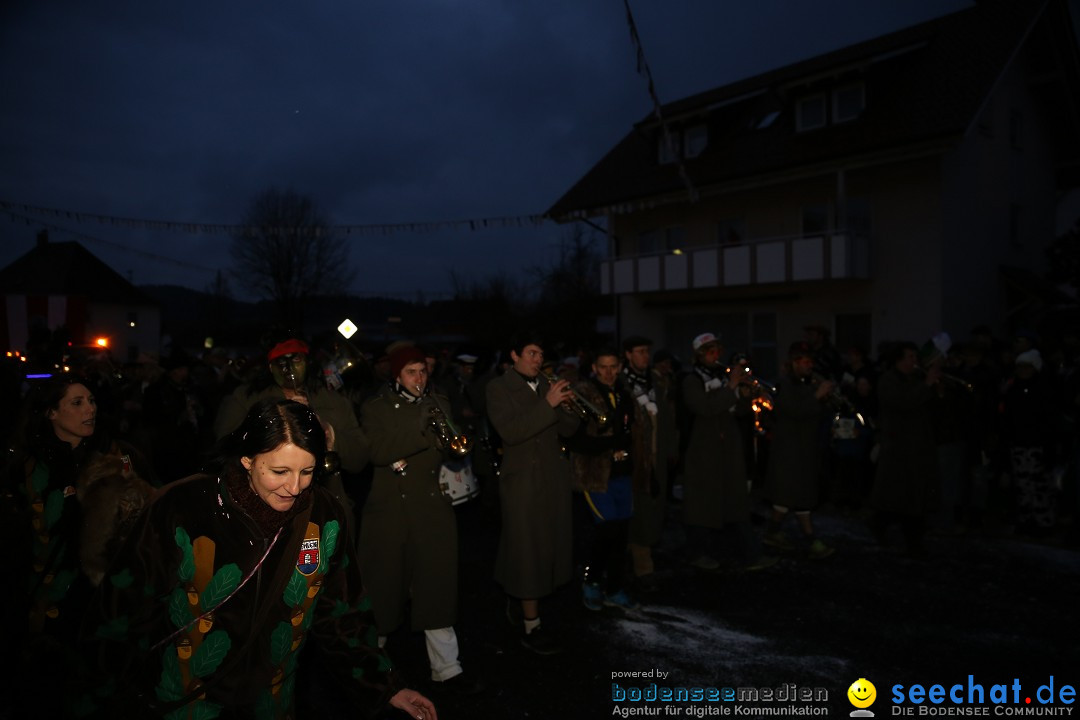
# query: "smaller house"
{"points": [[62, 290]]}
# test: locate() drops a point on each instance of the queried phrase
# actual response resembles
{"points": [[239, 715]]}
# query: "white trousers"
{"points": [[442, 650]]}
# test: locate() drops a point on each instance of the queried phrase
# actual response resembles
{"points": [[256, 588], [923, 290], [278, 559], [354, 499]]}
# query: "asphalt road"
{"points": [[988, 605]]}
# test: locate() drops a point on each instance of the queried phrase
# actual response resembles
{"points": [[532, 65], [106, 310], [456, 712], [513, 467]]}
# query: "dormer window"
{"points": [[811, 113], [669, 147], [848, 102], [697, 138]]}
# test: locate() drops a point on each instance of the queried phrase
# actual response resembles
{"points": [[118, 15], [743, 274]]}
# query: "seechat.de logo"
{"points": [[862, 694]]}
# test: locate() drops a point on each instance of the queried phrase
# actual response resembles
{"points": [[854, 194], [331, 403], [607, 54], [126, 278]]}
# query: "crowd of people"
{"points": [[155, 509]]}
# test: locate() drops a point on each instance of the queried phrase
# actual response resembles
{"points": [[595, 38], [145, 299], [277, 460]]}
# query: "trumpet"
{"points": [[840, 402], [579, 404], [755, 382], [446, 435]]}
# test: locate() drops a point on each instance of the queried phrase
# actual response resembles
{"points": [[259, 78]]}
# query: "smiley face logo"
{"points": [[862, 693]]}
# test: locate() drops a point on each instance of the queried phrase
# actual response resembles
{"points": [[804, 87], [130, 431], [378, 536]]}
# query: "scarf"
{"points": [[269, 520]]}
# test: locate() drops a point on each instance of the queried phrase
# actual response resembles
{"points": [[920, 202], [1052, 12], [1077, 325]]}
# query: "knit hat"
{"points": [[405, 356], [1030, 357]]}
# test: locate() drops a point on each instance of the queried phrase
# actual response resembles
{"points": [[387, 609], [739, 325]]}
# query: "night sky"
{"points": [[384, 112]]}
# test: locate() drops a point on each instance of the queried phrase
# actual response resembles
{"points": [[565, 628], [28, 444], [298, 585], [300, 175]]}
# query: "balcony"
{"points": [[757, 262]]}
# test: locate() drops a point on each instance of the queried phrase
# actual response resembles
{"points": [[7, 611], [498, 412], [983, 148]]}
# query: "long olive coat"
{"points": [[657, 435], [907, 480], [534, 555], [714, 486], [408, 530], [796, 453]]}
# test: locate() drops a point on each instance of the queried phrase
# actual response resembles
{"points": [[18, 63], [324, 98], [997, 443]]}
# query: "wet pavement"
{"points": [[991, 607]]}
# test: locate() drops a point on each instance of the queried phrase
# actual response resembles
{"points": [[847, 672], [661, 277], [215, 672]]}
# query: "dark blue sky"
{"points": [[382, 111]]}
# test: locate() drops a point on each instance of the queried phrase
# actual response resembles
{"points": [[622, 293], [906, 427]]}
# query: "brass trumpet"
{"points": [[579, 404], [446, 435], [840, 402]]}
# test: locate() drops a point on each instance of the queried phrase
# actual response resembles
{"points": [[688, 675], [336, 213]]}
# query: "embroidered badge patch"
{"points": [[308, 560]]}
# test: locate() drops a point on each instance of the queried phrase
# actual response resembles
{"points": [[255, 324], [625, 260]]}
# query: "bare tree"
{"points": [[286, 253]]}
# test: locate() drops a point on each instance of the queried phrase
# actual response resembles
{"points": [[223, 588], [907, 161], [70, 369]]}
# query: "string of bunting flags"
{"points": [[502, 222]]}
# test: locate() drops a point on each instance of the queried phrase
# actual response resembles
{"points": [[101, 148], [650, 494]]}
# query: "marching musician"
{"points": [[715, 494], [655, 443], [408, 531], [604, 458], [796, 457], [905, 488], [534, 555]]}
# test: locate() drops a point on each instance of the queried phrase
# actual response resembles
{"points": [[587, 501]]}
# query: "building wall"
{"points": [[114, 322], [1000, 206]]}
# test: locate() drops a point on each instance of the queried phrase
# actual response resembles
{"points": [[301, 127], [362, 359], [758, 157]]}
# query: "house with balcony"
{"points": [[888, 190]]}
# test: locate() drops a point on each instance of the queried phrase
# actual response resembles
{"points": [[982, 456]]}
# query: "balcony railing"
{"points": [[758, 262]]}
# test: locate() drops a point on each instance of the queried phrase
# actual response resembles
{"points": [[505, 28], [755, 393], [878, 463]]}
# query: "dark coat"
{"points": [[715, 485], [796, 454], [188, 554], [593, 445], [659, 435], [906, 481], [534, 555], [408, 530]]}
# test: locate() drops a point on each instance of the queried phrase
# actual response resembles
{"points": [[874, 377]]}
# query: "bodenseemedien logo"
{"points": [[862, 694]]}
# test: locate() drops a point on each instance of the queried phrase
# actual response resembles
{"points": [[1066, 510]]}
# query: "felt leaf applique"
{"points": [[179, 610], [54, 506], [280, 642], [205, 710], [223, 583], [39, 478], [122, 579], [186, 571], [171, 686], [264, 707], [296, 590], [329, 543], [211, 652]]}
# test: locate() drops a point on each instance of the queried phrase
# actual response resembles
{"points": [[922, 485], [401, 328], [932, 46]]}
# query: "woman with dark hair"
{"points": [[43, 527], [55, 438], [228, 575]]}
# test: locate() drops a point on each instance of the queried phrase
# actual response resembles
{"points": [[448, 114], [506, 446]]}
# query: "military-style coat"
{"points": [[906, 481], [534, 555], [796, 454], [714, 485], [408, 530], [175, 625]]}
